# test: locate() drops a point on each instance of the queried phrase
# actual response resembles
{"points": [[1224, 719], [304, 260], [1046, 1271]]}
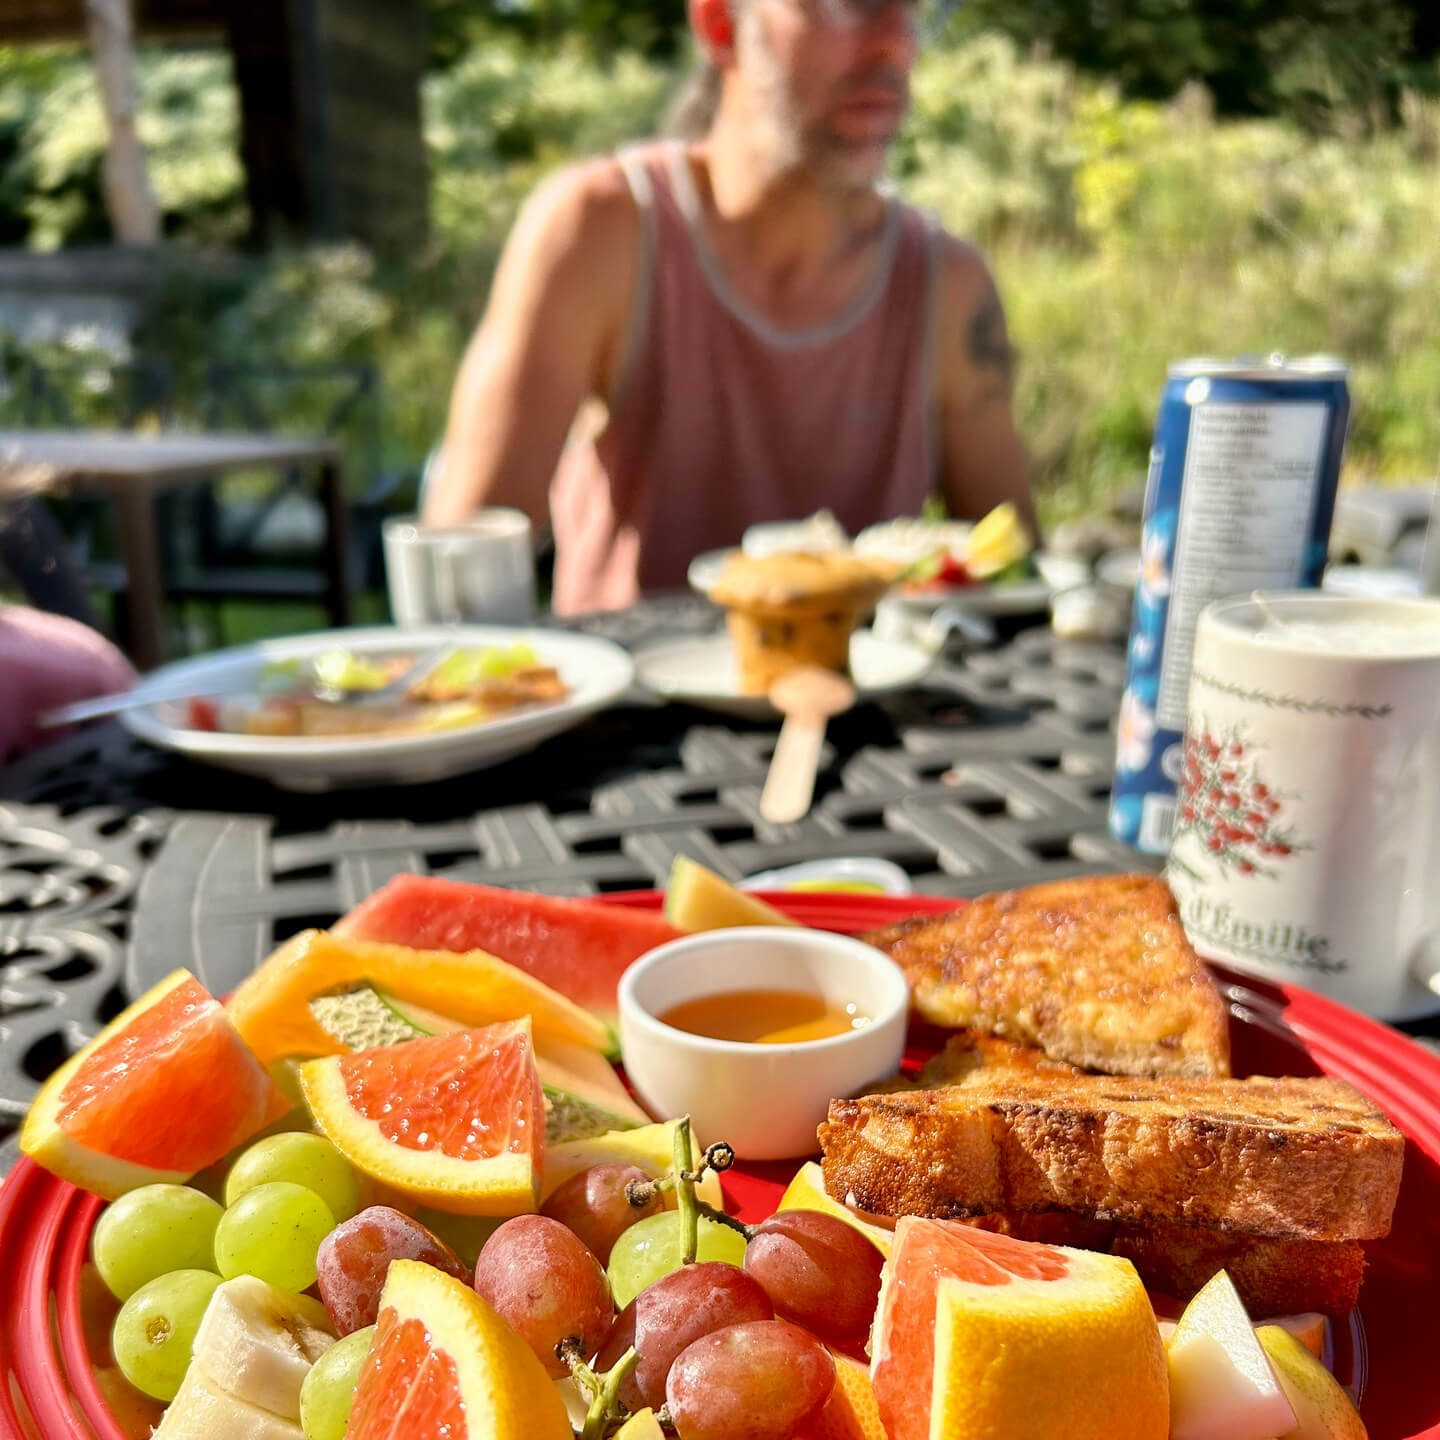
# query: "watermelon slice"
{"points": [[574, 946]]}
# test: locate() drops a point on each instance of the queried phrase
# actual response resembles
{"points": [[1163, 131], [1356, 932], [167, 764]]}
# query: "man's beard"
{"points": [[816, 147]]}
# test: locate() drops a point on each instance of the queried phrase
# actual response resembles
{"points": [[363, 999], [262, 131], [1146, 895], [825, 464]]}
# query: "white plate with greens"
{"points": [[433, 742]]}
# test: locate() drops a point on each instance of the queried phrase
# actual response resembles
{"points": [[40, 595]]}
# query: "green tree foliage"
{"points": [[655, 28], [1304, 57]]}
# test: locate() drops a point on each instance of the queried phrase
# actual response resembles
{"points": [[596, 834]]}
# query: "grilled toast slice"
{"points": [[1296, 1158], [1096, 972], [971, 1057]]}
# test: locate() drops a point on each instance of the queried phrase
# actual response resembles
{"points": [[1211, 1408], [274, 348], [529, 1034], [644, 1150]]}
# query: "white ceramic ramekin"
{"points": [[764, 1100]]}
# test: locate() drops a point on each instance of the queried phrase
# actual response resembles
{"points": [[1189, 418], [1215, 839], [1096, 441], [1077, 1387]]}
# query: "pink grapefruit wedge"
{"points": [[455, 1121], [990, 1338], [167, 1088], [443, 1364]]}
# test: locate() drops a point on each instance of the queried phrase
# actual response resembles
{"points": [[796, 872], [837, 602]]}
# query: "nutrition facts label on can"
{"points": [[1251, 473]]}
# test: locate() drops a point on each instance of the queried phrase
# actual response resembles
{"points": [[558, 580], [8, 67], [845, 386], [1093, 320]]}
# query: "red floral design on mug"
{"points": [[1236, 816]]}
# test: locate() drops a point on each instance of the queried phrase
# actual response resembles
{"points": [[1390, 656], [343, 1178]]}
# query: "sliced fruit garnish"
{"points": [[698, 899], [271, 1009], [442, 1363], [980, 1334], [1323, 1411], [1000, 539], [576, 947], [166, 1089], [455, 1121], [583, 1094], [1222, 1386]]}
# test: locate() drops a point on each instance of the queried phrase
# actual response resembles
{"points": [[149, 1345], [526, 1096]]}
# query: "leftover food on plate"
{"points": [[316, 697]]}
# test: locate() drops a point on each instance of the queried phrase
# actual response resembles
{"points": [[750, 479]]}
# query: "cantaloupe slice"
{"points": [[271, 1009]]}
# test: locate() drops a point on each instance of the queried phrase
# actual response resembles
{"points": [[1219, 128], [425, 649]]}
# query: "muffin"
{"points": [[795, 609]]}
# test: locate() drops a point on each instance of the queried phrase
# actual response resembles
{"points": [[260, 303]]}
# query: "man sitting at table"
{"points": [[759, 331]]}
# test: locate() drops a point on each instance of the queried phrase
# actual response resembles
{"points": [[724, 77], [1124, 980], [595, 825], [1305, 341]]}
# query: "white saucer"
{"points": [[702, 672]]}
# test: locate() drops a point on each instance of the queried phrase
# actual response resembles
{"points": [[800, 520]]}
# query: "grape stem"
{"points": [[685, 1192], [718, 1157], [605, 1400]]}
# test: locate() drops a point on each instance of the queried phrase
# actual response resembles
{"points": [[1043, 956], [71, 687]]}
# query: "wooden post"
{"points": [[134, 214]]}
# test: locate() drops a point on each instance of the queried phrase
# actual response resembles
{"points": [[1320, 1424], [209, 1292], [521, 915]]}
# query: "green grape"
{"points": [[329, 1388], [273, 1231], [152, 1231], [308, 1160], [651, 1248], [155, 1330]]}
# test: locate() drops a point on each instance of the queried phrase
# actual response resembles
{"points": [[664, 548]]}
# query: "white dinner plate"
{"points": [[595, 671], [702, 672]]}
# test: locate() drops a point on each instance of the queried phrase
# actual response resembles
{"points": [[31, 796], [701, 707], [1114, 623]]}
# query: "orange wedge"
{"points": [[851, 1412], [165, 1089], [443, 1363], [454, 1121], [272, 1011]]}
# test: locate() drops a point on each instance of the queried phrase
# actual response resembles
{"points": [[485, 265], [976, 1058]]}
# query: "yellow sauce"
{"points": [[765, 1017], [836, 887]]}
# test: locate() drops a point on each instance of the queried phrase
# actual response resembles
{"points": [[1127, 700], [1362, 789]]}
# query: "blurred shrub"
{"points": [[1126, 234]]}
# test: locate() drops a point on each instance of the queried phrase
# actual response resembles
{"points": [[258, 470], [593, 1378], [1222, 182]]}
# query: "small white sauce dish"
{"points": [[764, 1100]]}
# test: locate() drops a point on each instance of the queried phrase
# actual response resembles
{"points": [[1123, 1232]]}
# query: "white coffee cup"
{"points": [[482, 571], [1307, 841]]}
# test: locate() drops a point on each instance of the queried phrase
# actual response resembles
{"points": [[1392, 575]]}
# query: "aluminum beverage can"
{"points": [[1240, 496]]}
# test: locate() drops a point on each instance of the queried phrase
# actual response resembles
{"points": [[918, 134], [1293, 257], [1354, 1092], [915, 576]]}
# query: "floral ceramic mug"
{"points": [[1307, 840]]}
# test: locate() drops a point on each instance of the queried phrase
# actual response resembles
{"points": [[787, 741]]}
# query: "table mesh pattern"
{"points": [[119, 864]]}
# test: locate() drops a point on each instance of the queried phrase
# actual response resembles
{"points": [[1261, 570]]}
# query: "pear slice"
{"points": [[1322, 1408], [1221, 1383]]}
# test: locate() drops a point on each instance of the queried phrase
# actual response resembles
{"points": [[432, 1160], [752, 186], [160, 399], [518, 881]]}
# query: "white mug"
{"points": [[480, 571], [1307, 840]]}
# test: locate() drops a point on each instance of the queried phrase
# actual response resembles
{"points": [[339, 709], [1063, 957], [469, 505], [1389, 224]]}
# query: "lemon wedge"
{"points": [[1000, 539]]}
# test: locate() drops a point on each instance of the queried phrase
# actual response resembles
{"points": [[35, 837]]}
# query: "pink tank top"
{"points": [[721, 420]]}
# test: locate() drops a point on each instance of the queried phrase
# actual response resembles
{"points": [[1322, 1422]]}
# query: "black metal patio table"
{"points": [[119, 863]]}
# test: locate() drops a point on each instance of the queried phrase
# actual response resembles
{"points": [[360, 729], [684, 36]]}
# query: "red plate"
{"points": [[1386, 1350]]}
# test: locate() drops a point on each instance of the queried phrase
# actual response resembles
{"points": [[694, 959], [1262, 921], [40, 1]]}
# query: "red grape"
{"points": [[681, 1307], [593, 1205], [817, 1270], [757, 1381], [538, 1276], [353, 1259]]}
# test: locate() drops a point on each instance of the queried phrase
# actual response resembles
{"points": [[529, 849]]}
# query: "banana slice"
{"points": [[202, 1411], [258, 1343]]}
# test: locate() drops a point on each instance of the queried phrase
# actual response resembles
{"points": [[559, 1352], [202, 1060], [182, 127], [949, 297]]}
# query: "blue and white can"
{"points": [[1240, 497]]}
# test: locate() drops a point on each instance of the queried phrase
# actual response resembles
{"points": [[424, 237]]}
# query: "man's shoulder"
{"points": [[588, 210], [965, 278]]}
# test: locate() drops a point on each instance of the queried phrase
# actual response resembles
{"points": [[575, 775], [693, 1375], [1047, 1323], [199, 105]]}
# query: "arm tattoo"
{"points": [[988, 345]]}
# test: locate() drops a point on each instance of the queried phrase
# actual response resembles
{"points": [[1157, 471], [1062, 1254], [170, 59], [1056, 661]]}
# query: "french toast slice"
{"points": [[1296, 1158], [1096, 972]]}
